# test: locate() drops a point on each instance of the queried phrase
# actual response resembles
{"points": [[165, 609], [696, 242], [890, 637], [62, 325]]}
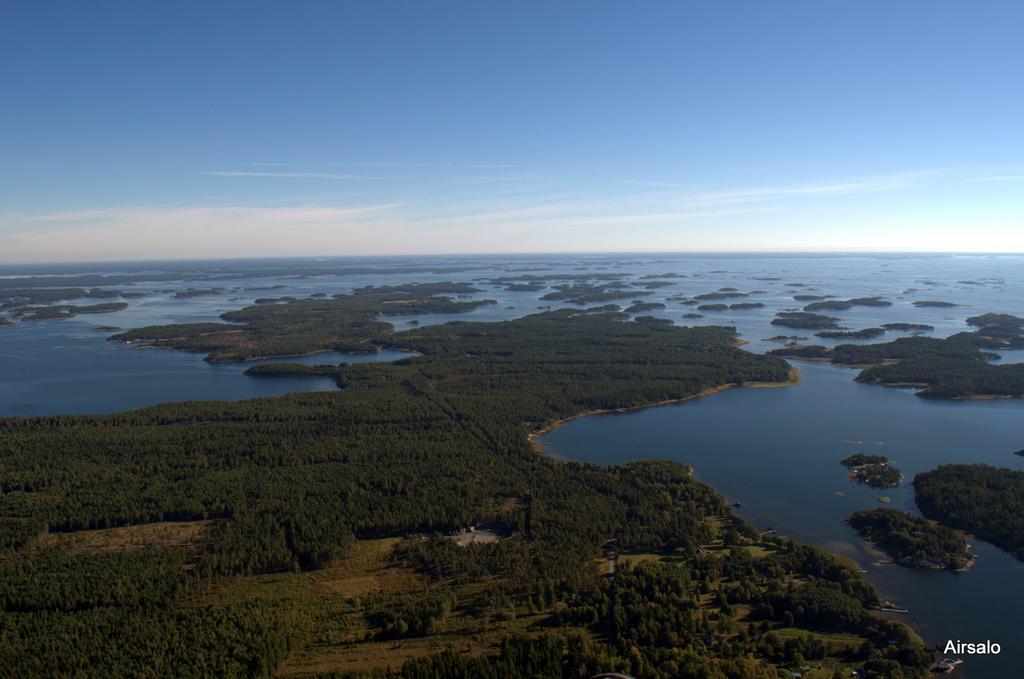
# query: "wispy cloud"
{"points": [[655, 184], [999, 178], [667, 205], [189, 232], [860, 185], [530, 218], [398, 164], [292, 175]]}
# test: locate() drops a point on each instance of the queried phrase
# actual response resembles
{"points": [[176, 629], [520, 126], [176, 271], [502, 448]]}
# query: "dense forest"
{"points": [[305, 533], [846, 304], [864, 333], [346, 323], [955, 367], [803, 320], [912, 541], [47, 297], [983, 500], [592, 293]]}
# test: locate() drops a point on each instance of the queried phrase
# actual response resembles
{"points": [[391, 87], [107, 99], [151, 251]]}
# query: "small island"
{"points": [[587, 293], [62, 312], [846, 304], [872, 470], [912, 541], [866, 333], [803, 320], [927, 304], [639, 306], [908, 327], [197, 292], [723, 293]]}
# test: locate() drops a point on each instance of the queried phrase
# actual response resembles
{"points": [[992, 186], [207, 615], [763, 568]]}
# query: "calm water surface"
{"points": [[68, 367], [776, 451]]}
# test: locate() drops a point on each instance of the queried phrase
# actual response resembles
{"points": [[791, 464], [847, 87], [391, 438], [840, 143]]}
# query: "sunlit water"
{"points": [[776, 451]]}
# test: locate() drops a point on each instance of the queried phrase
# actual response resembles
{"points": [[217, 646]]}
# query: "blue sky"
{"points": [[154, 130]]}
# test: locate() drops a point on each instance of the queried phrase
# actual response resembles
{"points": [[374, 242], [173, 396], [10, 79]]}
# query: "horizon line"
{"points": [[548, 253]]}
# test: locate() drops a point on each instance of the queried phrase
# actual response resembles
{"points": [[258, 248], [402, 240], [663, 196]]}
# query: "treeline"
{"points": [[424, 446], [983, 500], [592, 293], [346, 323], [292, 370], [652, 621], [954, 367], [911, 540], [950, 378]]}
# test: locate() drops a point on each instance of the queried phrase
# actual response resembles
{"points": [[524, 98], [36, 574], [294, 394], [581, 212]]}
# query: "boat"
{"points": [[946, 666]]}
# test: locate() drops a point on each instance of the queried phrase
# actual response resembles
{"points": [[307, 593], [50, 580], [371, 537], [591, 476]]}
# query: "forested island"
{"points": [[912, 541], [592, 293], [307, 533], [723, 293], [908, 327], [846, 304], [197, 292], [60, 312], [983, 500], [872, 470], [927, 304], [346, 323], [45, 304], [955, 367], [804, 320], [865, 333]]}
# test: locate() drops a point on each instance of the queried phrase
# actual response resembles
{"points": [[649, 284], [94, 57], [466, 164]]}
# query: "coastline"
{"points": [[892, 615], [794, 380]]}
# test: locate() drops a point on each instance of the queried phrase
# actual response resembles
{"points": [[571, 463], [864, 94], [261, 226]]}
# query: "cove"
{"points": [[68, 368], [777, 452]]}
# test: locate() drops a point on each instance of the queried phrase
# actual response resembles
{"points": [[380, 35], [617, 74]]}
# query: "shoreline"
{"points": [[795, 380], [794, 375], [140, 345]]}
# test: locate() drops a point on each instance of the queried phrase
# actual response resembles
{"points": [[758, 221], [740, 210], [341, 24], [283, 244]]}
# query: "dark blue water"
{"points": [[774, 450], [777, 452], [68, 367]]}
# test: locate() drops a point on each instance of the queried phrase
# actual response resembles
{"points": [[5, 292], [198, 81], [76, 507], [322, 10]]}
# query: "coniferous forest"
{"points": [[311, 534]]}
